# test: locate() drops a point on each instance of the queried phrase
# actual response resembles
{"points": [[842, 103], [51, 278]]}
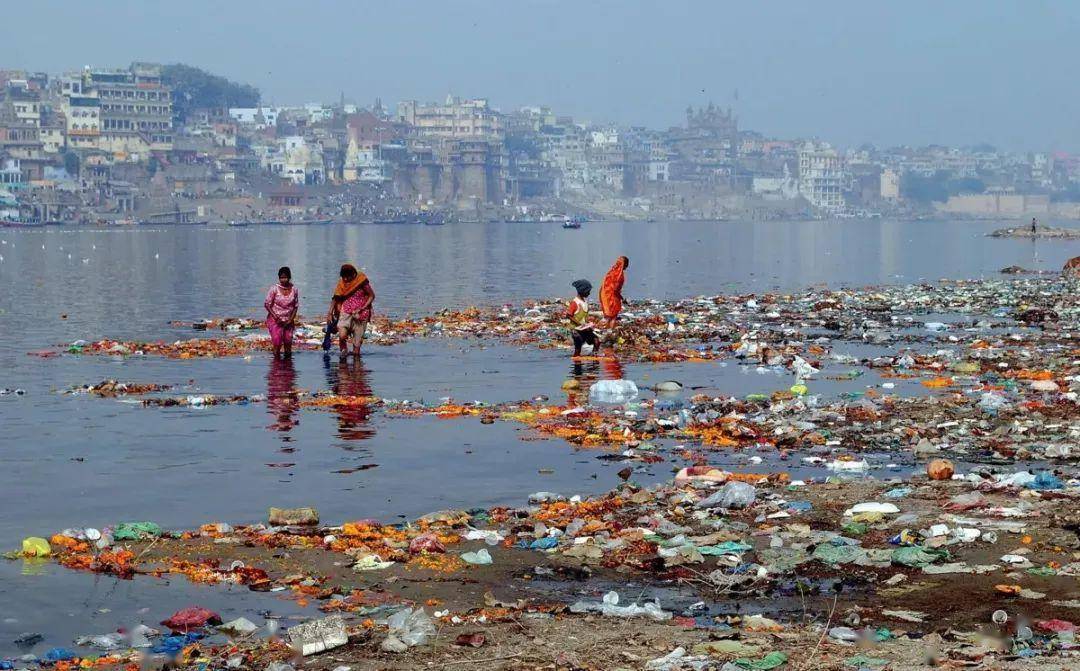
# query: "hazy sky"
{"points": [[914, 72]]}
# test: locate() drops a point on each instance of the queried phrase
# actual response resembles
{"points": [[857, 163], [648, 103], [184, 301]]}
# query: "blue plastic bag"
{"points": [[331, 329]]}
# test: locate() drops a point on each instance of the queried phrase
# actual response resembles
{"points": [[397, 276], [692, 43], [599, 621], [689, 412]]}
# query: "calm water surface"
{"points": [[77, 461]]}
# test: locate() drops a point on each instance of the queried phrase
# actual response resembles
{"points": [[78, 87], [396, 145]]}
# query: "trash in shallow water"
{"points": [[193, 617], [610, 606]]}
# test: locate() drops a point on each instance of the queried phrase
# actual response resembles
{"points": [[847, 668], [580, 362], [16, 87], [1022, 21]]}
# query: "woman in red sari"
{"points": [[611, 298]]}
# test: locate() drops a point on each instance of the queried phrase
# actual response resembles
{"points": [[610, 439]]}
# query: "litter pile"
{"points": [[991, 557], [930, 516]]}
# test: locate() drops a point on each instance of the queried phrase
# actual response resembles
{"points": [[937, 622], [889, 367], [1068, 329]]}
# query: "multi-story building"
{"points": [[455, 118], [822, 176], [134, 108], [26, 106], [890, 184], [82, 116], [21, 110]]}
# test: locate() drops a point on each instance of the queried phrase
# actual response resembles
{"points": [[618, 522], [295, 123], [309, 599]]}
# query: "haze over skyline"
{"points": [[848, 72]]}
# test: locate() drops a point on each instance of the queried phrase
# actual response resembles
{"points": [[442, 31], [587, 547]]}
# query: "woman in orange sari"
{"points": [[350, 307], [611, 298]]}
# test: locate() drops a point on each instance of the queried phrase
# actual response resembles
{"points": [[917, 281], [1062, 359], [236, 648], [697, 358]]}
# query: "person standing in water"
{"points": [[351, 308], [611, 298], [582, 328], [282, 304]]}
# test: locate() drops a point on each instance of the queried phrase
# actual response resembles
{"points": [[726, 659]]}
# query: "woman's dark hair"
{"points": [[347, 270], [626, 262], [284, 270]]}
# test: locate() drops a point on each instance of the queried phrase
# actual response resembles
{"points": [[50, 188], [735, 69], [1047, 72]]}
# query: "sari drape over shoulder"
{"points": [[611, 289], [345, 289]]}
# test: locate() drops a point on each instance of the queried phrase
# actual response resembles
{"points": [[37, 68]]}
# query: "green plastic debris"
{"points": [[725, 548], [136, 531], [782, 560], [855, 528], [35, 547], [769, 661], [882, 634], [865, 662], [838, 554], [917, 556], [754, 398]]}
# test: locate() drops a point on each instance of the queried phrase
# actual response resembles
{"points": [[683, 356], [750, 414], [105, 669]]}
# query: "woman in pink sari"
{"points": [[282, 303]]}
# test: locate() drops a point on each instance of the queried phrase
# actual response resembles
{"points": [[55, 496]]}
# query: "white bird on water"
{"points": [[155, 255]]}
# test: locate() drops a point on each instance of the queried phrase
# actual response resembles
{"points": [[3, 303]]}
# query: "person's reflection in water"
{"points": [[350, 379], [612, 368], [584, 373], [281, 399]]}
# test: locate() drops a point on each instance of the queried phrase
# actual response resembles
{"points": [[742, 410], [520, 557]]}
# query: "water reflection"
{"points": [[611, 367], [281, 399], [583, 371], [349, 377]]}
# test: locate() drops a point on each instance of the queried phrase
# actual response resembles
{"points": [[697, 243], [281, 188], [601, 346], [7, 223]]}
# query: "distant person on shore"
{"points": [[350, 307], [1034, 226], [611, 298], [282, 304], [582, 327]]}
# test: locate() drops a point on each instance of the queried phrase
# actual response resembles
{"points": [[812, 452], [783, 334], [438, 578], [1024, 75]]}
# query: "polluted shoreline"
{"points": [[926, 517]]}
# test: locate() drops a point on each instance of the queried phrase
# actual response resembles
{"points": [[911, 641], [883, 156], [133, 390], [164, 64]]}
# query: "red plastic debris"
{"points": [[194, 617], [425, 543], [1055, 626], [474, 640]]}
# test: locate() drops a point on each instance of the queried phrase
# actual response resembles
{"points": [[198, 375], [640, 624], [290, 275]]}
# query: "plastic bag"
{"points": [[613, 391], [411, 627], [481, 557], [1045, 480], [36, 547], [330, 330], [610, 607], [133, 531], [101, 642], [732, 495], [426, 543]]}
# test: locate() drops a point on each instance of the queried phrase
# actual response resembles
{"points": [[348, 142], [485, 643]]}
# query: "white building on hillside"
{"points": [[822, 177]]}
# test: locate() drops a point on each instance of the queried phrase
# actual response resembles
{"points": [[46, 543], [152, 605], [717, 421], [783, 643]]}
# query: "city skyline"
{"points": [[962, 74]]}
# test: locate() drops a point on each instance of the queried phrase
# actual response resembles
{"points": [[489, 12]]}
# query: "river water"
{"points": [[79, 461]]}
